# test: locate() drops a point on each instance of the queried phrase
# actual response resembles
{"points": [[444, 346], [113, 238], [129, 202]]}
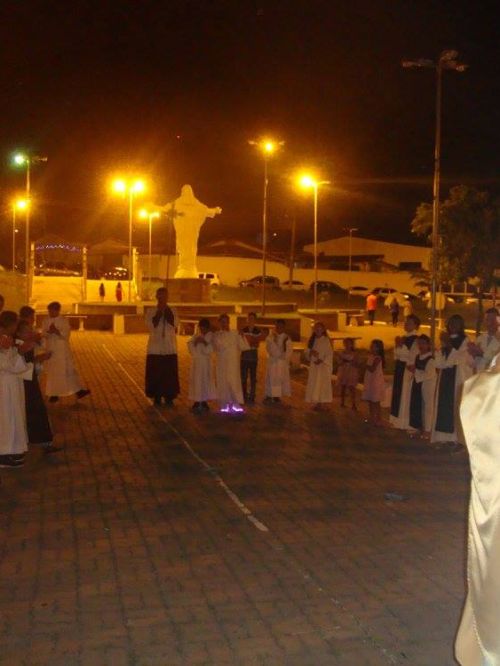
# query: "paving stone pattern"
{"points": [[127, 550]]}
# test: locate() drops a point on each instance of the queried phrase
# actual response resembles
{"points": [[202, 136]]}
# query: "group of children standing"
{"points": [[23, 353], [236, 358], [427, 388]]}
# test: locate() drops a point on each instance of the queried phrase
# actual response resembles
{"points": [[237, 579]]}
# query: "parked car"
{"points": [[297, 285], [116, 273], [325, 287], [213, 277], [271, 282], [359, 291], [383, 292], [56, 268]]}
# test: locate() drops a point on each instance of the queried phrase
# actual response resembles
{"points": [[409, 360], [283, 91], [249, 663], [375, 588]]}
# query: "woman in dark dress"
{"points": [[37, 419]]}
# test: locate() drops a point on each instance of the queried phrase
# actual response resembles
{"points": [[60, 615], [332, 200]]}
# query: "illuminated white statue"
{"points": [[188, 215]]}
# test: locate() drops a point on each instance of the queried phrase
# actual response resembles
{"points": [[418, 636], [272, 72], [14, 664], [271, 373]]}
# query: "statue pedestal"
{"points": [[188, 290]]}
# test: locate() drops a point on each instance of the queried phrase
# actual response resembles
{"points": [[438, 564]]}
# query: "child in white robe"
{"points": [[319, 380], [201, 380], [228, 346], [61, 376], [455, 365], [405, 350], [13, 370], [279, 351], [422, 389]]}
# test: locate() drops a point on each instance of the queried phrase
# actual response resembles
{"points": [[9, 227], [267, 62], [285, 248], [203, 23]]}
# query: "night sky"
{"points": [[174, 90]]}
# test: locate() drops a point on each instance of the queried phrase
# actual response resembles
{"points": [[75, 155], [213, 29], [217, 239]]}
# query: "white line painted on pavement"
{"points": [[218, 479]]}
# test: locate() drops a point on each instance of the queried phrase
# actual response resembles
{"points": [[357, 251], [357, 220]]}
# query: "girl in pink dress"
{"points": [[374, 384], [347, 372]]}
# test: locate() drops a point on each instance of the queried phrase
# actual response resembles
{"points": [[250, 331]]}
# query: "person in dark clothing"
{"points": [[250, 357]]}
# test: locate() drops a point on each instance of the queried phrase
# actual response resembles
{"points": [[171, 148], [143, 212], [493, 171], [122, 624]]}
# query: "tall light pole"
{"points": [[447, 60], [267, 147], [145, 214], [351, 231], [22, 159], [306, 181], [130, 188], [18, 204]]}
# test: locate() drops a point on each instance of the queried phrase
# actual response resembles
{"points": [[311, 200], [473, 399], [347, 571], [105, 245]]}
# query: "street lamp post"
{"points": [[20, 159], [18, 204], [267, 148], [145, 214], [131, 189], [351, 230], [447, 60], [307, 181]]}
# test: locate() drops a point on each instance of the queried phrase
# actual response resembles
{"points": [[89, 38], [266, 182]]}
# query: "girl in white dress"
{"points": [[201, 380], [348, 372], [319, 381]]}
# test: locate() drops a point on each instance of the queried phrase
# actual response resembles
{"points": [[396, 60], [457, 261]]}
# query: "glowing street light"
{"points": [[25, 160], [448, 60], [307, 182], [131, 188], [17, 205], [145, 214], [267, 147]]}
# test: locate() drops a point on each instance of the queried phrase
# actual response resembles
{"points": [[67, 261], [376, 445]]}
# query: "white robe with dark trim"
{"points": [[402, 420]]}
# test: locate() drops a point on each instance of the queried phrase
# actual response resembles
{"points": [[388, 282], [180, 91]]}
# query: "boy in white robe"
{"points": [[423, 388], [487, 345], [405, 350], [228, 346], [201, 380], [61, 376], [319, 381], [279, 351], [455, 365], [13, 370]]}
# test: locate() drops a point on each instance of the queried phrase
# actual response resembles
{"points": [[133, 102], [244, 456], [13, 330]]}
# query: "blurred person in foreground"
{"points": [[478, 638]]}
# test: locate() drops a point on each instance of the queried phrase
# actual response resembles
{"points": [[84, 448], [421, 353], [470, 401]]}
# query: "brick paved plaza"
{"points": [[164, 538]]}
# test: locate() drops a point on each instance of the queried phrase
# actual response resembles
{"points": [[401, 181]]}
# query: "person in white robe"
{"points": [[405, 350], [61, 376], [487, 344], [279, 352], [13, 371], [423, 388], [201, 379], [478, 638], [455, 365], [319, 381], [228, 346]]}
